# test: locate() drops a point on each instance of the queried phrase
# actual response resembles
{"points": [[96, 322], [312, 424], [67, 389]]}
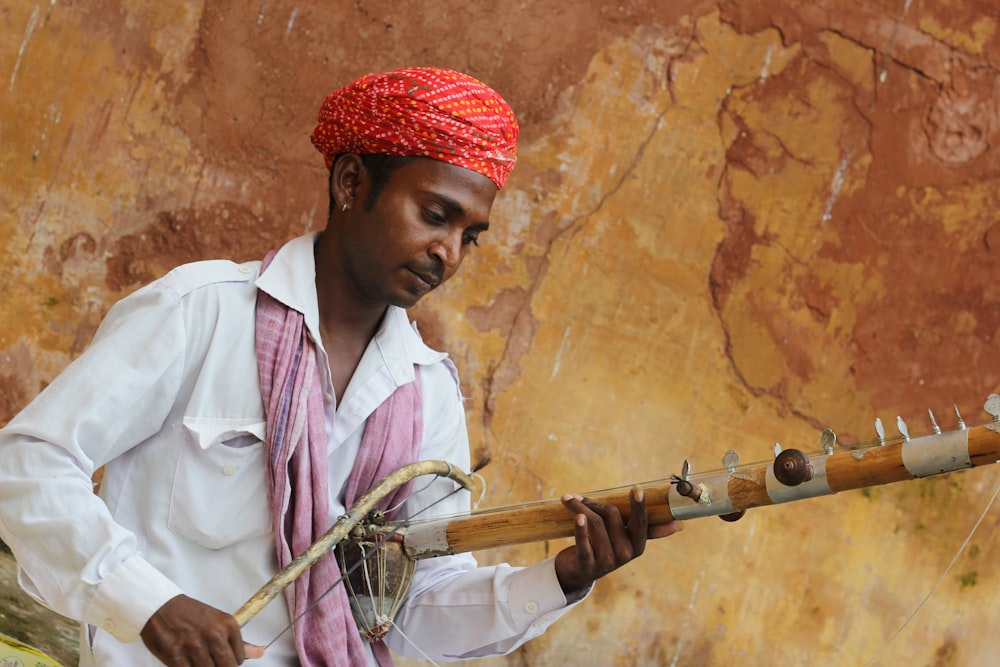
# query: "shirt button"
{"points": [[531, 607], [229, 470], [245, 269], [109, 625]]}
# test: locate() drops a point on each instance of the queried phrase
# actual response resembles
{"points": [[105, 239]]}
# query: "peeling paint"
{"points": [[29, 30]]}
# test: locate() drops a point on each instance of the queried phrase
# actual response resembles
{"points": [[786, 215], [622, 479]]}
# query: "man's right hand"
{"points": [[188, 633]]}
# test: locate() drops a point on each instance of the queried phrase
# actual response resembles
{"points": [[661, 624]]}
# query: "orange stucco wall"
{"points": [[732, 223]]}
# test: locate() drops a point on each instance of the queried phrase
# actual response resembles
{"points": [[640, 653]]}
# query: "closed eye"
{"points": [[434, 217], [472, 233]]}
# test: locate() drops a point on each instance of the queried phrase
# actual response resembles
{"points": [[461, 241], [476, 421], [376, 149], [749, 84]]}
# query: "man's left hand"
{"points": [[604, 541]]}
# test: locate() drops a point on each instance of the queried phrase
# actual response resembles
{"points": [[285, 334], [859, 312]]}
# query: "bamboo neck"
{"points": [[746, 487]]}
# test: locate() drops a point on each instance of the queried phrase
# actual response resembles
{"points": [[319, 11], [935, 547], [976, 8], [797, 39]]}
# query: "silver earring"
{"points": [[345, 206]]}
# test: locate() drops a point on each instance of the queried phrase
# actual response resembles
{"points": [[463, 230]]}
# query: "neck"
{"points": [[346, 321], [341, 308], [347, 317]]}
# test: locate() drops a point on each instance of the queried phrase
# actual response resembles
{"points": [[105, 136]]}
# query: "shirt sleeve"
{"points": [[73, 557], [456, 610]]}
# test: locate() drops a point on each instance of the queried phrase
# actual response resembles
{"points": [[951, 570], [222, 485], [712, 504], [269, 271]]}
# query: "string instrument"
{"points": [[727, 493]]}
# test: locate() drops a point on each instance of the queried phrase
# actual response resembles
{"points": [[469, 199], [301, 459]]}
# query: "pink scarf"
{"points": [[297, 483]]}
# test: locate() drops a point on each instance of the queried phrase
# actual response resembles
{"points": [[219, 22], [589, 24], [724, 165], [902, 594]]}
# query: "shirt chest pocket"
{"points": [[219, 494]]}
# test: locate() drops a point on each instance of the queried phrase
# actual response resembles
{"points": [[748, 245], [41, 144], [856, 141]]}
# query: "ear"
{"points": [[345, 179]]}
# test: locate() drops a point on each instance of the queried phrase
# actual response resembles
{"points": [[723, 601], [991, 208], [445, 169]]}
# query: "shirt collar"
{"points": [[291, 279], [400, 346]]}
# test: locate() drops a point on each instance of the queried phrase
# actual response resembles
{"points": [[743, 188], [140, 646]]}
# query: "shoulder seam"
{"points": [[186, 278]]}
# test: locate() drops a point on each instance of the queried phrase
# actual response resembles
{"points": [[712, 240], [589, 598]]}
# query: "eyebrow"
{"points": [[455, 207]]}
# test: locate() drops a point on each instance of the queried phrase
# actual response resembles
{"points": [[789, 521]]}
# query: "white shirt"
{"points": [[167, 399]]}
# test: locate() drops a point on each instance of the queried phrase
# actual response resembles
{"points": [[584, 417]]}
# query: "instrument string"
{"points": [[862, 447], [923, 601], [387, 536], [413, 644], [390, 510]]}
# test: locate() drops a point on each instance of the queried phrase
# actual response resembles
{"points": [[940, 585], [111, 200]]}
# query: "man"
{"points": [[238, 409]]}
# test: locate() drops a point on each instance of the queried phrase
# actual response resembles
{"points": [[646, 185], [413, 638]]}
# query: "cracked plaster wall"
{"points": [[732, 223]]}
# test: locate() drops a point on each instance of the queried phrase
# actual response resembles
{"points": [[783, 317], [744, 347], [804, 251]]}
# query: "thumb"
{"points": [[252, 651]]}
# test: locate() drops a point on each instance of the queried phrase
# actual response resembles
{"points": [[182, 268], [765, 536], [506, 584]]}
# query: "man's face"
{"points": [[422, 224]]}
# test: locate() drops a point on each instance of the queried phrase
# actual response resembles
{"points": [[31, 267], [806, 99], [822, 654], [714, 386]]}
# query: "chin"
{"points": [[406, 301]]}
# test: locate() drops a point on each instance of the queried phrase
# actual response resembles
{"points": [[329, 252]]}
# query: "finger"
{"points": [[223, 655], [638, 521], [200, 656], [584, 548], [235, 646], [573, 503], [253, 651], [581, 532], [612, 544], [665, 529]]}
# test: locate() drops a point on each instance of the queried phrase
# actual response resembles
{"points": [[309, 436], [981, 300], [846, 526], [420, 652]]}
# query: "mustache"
{"points": [[432, 274]]}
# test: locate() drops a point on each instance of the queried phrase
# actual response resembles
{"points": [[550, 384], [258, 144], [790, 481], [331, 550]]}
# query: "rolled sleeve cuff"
{"points": [[536, 598], [128, 597]]}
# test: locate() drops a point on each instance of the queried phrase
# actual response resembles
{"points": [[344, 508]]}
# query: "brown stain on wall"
{"points": [[917, 251], [532, 55], [15, 378], [136, 259]]}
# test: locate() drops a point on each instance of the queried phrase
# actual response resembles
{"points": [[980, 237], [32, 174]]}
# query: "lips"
{"points": [[430, 278]]}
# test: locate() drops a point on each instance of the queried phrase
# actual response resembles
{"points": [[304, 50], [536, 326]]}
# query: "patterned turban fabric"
{"points": [[419, 111]]}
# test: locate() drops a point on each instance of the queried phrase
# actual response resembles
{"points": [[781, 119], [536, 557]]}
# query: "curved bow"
{"points": [[343, 527]]}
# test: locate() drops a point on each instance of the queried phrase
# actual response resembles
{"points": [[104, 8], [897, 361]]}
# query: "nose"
{"points": [[449, 250]]}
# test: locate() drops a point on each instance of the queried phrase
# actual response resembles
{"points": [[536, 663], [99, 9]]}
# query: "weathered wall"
{"points": [[732, 223]]}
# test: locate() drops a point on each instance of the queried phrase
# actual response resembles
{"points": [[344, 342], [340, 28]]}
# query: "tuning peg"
{"points": [[828, 440], [699, 494], [992, 406], [731, 460], [901, 425], [777, 448], [958, 416], [689, 490], [880, 430], [934, 424], [792, 467]]}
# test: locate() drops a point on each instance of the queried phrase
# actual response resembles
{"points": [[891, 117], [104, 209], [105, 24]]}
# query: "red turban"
{"points": [[420, 111]]}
